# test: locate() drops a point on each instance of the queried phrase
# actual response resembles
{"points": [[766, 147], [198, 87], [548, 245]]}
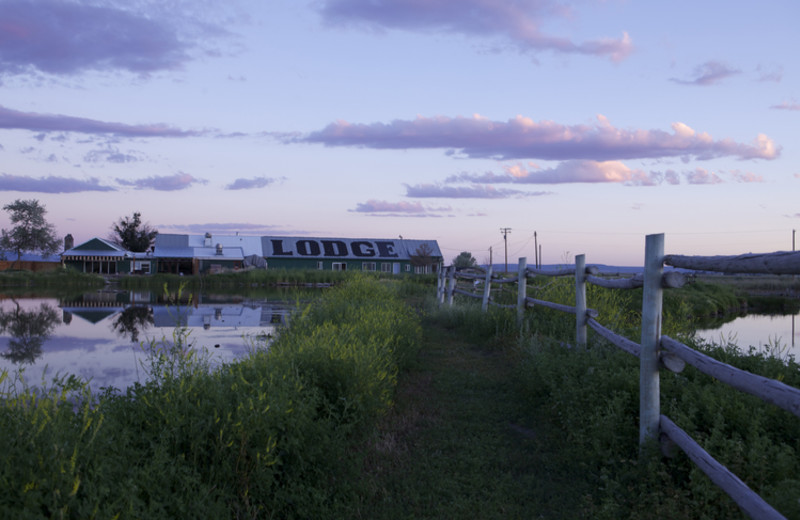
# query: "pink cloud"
{"points": [[786, 105], [597, 172], [702, 176], [467, 192], [518, 22], [565, 172], [524, 138], [740, 176]]}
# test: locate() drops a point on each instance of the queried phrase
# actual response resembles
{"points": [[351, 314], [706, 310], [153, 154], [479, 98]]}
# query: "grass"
{"points": [[364, 408], [461, 444], [59, 279], [265, 437]]}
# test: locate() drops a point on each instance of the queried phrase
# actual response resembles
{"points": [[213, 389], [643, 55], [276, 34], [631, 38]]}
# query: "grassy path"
{"points": [[461, 444]]}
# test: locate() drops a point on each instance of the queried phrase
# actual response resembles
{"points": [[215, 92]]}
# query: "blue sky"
{"points": [[591, 123]]}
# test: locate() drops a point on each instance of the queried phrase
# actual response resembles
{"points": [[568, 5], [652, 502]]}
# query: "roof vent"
{"points": [[219, 249]]}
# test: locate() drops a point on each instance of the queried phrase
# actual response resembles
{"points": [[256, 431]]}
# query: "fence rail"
{"points": [[655, 350]]}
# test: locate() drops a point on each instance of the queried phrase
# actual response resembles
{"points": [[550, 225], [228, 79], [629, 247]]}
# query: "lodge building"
{"points": [[204, 254]]}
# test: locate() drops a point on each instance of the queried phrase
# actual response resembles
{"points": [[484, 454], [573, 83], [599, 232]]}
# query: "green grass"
{"points": [[376, 403], [265, 437], [59, 279], [460, 443]]}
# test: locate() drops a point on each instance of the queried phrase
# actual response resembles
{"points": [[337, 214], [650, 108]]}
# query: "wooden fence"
{"points": [[654, 349]]}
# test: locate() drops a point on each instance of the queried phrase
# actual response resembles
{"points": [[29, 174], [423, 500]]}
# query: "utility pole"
{"points": [[490, 256], [535, 251], [505, 231]]}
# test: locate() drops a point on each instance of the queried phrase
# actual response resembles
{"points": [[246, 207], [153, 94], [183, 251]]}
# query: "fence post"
{"points": [[487, 289], [522, 289], [649, 404], [580, 300], [440, 285], [451, 284]]}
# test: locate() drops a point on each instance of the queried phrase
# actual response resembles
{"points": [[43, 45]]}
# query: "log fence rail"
{"points": [[654, 350]]}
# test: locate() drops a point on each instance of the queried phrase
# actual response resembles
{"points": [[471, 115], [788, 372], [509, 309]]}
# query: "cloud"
{"points": [[16, 120], [112, 155], [50, 184], [179, 181], [597, 172], [702, 176], [60, 37], [565, 172], [746, 177], [786, 105], [249, 184], [517, 22], [524, 138], [377, 206], [382, 208], [467, 192], [225, 228], [709, 73], [67, 38], [770, 73]]}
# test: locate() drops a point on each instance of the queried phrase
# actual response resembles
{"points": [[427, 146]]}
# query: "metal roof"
{"points": [[237, 247], [234, 247]]}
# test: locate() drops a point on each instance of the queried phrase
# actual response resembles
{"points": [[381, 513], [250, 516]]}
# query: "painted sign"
{"points": [[333, 248]]}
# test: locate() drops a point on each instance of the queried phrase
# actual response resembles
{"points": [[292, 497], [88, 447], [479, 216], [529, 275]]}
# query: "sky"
{"points": [[580, 127]]}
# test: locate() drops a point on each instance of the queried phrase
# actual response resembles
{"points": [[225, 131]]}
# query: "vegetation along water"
{"points": [[376, 403]]}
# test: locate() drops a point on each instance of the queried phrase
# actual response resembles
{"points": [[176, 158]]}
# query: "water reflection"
{"points": [[101, 336], [133, 320], [28, 330], [763, 332]]}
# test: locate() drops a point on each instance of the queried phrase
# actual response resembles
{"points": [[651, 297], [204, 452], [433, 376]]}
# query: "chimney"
{"points": [[69, 242], [207, 241]]}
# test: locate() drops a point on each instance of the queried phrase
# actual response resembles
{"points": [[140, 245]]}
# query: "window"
{"points": [[408, 268], [386, 267], [339, 266], [320, 265], [368, 266]]}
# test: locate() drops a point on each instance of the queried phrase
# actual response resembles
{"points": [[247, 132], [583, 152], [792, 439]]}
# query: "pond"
{"points": [[758, 330], [102, 336]]}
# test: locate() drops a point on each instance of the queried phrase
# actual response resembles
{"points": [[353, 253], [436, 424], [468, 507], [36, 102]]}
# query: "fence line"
{"points": [[654, 349]]}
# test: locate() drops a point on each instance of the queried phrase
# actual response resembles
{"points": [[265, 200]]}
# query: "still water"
{"points": [[757, 331], [100, 336]]}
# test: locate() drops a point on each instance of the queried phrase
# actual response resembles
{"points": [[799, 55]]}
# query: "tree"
{"points": [[422, 257], [29, 329], [133, 235], [31, 232], [464, 260]]}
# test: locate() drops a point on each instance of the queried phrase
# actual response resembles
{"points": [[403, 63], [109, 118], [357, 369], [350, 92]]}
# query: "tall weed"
{"points": [[264, 437]]}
